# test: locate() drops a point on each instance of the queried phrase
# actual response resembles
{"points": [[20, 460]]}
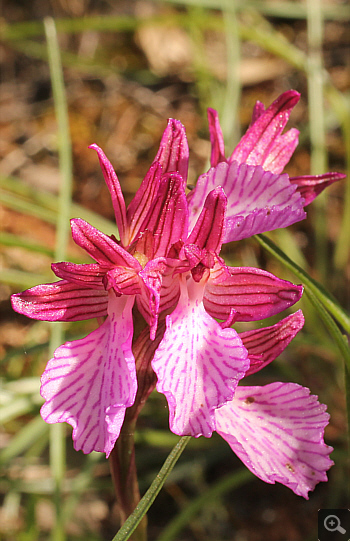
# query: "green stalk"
{"points": [[310, 284], [57, 431], [145, 503]]}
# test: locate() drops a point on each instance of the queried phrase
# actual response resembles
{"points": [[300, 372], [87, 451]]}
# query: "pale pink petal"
{"points": [[115, 191], [144, 198], [253, 293], [209, 228], [216, 138], [257, 200], [265, 344], [173, 150], [262, 135], [277, 431], [310, 186], [90, 382], [198, 364], [89, 275], [167, 218], [61, 301], [105, 250]]}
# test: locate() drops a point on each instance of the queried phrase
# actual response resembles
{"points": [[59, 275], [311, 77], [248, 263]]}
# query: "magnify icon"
{"points": [[332, 524]]}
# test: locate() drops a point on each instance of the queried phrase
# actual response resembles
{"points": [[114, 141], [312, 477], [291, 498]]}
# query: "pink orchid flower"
{"points": [[167, 266]]}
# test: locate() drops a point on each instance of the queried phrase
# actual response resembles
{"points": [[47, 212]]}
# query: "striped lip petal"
{"points": [[167, 218], [253, 293], [90, 275], [265, 344], [277, 431], [310, 186], [90, 382], [173, 150], [61, 301], [262, 135], [257, 200], [209, 229], [198, 364], [144, 198], [100, 247], [216, 138], [115, 191]]}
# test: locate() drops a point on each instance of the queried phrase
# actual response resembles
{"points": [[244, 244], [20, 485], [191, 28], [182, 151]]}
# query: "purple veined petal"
{"points": [[257, 200], [173, 150], [115, 191], [90, 382], [123, 281], [100, 247], [144, 198], [277, 431], [209, 228], [261, 136], [61, 301], [310, 186], [89, 275], [282, 151], [265, 344], [253, 293], [258, 110], [216, 138], [167, 219], [198, 364]]}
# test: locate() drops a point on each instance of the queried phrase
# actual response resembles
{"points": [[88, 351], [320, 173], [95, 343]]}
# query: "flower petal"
{"points": [[100, 247], [253, 293], [173, 150], [281, 152], [144, 198], [310, 186], [90, 382], [115, 191], [262, 135], [209, 228], [61, 301], [257, 200], [167, 218], [277, 431], [198, 364], [90, 275], [216, 138], [265, 344]]}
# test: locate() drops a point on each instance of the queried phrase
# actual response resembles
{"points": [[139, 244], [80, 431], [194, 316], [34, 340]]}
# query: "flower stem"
{"points": [[124, 475]]}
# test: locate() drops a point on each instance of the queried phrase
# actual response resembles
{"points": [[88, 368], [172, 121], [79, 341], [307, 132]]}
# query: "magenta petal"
{"points": [[216, 138], [209, 228], [144, 198], [61, 301], [310, 186], [265, 344], [124, 281], [89, 275], [115, 191], [277, 431], [282, 151], [258, 110], [257, 200], [167, 219], [253, 293], [263, 134], [173, 150], [198, 365], [90, 382], [100, 247]]}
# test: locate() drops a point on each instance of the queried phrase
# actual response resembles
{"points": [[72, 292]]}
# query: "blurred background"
{"points": [[128, 66]]}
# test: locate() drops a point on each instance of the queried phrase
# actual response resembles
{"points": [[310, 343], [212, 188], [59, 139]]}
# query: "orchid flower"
{"points": [[166, 267]]}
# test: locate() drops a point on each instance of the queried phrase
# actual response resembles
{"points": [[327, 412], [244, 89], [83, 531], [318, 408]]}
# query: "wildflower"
{"points": [[166, 267]]}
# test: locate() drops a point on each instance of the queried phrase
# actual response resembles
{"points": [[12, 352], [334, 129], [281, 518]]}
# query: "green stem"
{"points": [[135, 518], [315, 287]]}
